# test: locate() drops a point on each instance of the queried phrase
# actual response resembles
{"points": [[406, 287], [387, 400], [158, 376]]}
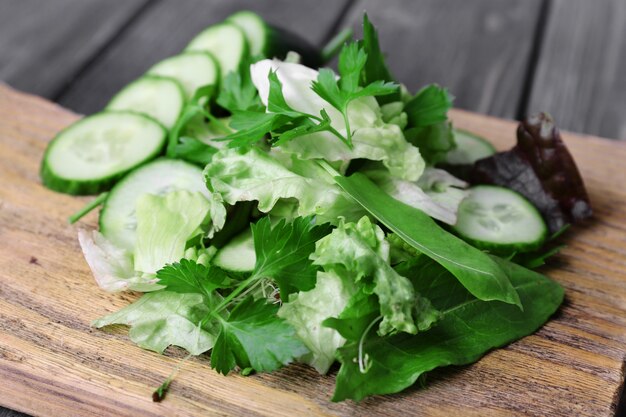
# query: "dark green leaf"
{"points": [[252, 127], [326, 87], [351, 62], [434, 141], [239, 93], [361, 310], [306, 127], [254, 337], [375, 67], [276, 102], [467, 330], [377, 88], [282, 252], [188, 276], [429, 106], [480, 274], [194, 151]]}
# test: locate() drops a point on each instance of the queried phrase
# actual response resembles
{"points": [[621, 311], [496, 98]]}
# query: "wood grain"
{"points": [[43, 44], [54, 364], [478, 49], [580, 73], [167, 27]]}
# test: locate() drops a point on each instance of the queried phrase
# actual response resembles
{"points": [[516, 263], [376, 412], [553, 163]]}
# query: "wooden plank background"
{"points": [[503, 58]]}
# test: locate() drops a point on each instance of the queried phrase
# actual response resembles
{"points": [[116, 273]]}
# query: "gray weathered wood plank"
{"points": [[167, 27], [44, 43], [580, 77], [478, 49]]}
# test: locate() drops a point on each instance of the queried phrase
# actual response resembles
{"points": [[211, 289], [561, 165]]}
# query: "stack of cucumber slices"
{"points": [[128, 138]]}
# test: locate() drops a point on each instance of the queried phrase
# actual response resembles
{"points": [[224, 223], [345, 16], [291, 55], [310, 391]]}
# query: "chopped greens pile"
{"points": [[306, 215]]}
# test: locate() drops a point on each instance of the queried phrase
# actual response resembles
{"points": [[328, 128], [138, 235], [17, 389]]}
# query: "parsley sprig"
{"points": [[282, 123], [240, 321]]}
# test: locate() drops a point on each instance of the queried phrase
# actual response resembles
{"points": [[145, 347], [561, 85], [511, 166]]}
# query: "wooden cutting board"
{"points": [[53, 364]]}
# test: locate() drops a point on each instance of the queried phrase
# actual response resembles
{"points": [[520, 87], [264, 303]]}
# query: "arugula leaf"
{"points": [[467, 330], [479, 273], [283, 250], [436, 193], [163, 318], [253, 336], [190, 277]]}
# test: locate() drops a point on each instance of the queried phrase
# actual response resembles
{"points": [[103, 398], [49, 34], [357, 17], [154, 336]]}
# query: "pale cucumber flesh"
{"points": [[117, 219], [161, 98]]}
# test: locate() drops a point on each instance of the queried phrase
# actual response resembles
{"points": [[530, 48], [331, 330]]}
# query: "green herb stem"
{"points": [[86, 209], [333, 46]]}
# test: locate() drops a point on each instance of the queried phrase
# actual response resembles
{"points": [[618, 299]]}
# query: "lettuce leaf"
{"points": [[165, 224], [111, 266], [254, 175], [165, 318], [359, 250], [306, 311]]}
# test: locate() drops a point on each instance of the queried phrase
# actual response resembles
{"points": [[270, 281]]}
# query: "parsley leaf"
{"points": [[254, 337], [163, 318], [428, 125], [282, 252], [196, 107], [239, 93], [340, 93], [429, 106], [194, 151], [375, 68], [281, 121], [190, 277]]}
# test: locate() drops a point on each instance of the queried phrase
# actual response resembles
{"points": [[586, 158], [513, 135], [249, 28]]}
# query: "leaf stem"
{"points": [[221, 126], [346, 120], [159, 394], [364, 360], [86, 209], [333, 46]]}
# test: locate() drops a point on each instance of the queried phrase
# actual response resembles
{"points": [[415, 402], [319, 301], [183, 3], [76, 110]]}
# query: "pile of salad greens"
{"points": [[306, 215]]}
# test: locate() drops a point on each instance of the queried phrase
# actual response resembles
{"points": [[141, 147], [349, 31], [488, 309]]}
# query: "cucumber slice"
{"points": [[117, 218], [191, 69], [226, 42], [92, 154], [159, 97], [500, 220], [268, 41], [469, 148], [237, 255], [254, 28]]}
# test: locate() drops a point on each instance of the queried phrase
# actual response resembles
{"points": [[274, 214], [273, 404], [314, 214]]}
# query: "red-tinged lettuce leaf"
{"points": [[541, 169]]}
